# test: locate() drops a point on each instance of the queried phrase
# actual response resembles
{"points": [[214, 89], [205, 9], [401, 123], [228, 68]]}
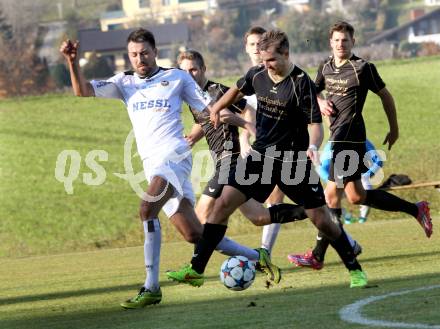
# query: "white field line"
{"points": [[352, 313]]}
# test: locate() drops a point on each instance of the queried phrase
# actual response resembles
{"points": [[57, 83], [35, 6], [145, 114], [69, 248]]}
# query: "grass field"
{"points": [[83, 290], [39, 217]]}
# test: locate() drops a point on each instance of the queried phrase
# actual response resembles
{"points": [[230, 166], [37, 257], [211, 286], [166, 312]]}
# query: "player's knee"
{"points": [[220, 212], [202, 213], [144, 210], [355, 199], [318, 217], [192, 237]]}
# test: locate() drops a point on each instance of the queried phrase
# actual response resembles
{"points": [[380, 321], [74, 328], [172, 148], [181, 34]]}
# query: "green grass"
{"points": [[38, 217], [83, 290]]}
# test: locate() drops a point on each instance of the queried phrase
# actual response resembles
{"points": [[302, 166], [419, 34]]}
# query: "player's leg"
{"points": [[158, 193], [204, 207], [280, 213], [364, 210], [232, 197], [213, 232], [344, 167], [226, 246], [270, 232], [383, 200], [311, 195], [315, 258], [320, 217]]}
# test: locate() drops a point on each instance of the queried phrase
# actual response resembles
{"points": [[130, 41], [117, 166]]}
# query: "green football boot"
{"points": [[187, 275], [358, 279], [143, 298], [272, 271]]}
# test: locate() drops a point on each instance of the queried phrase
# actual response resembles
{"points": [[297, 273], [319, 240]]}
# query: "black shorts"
{"points": [[347, 162], [220, 178], [256, 178]]}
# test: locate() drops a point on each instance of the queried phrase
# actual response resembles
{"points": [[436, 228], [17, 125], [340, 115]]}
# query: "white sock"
{"points": [[231, 248], [364, 210], [270, 233], [152, 253]]}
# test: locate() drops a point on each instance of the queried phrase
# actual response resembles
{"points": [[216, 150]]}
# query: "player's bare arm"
{"points": [[249, 115], [316, 133], [226, 116], [195, 135], [80, 86], [325, 106], [225, 101], [390, 111]]}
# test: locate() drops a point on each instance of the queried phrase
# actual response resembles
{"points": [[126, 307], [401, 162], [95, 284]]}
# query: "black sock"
{"points": [[286, 213], [345, 251], [212, 235], [322, 242], [386, 201]]}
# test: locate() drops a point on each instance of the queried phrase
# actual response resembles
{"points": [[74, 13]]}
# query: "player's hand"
{"points": [[215, 118], [245, 146], [326, 107], [251, 128], [190, 140], [69, 50], [313, 154], [390, 139]]}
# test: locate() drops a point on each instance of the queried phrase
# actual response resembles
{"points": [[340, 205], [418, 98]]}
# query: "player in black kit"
{"points": [[286, 110], [347, 79], [224, 145]]}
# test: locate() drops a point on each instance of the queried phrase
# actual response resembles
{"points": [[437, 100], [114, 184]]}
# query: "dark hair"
{"points": [[253, 30], [343, 27], [275, 38], [142, 35], [192, 55]]}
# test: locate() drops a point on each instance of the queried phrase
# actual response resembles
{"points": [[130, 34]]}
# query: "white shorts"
{"points": [[175, 168]]}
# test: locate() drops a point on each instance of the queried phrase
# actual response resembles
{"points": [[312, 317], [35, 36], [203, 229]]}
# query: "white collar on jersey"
{"points": [[149, 76]]}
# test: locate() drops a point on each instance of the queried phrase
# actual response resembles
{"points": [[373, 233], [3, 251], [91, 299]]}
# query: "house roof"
{"points": [[389, 33], [97, 40]]}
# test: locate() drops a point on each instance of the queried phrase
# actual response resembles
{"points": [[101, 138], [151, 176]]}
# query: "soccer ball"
{"points": [[237, 273]]}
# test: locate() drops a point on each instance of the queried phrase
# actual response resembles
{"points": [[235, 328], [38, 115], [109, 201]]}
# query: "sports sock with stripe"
{"points": [[152, 244]]}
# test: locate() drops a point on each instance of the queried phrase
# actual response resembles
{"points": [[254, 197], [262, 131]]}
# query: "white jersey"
{"points": [[154, 106], [251, 101]]}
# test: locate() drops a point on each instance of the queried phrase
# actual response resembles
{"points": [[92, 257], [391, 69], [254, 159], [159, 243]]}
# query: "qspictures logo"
{"points": [[293, 168]]}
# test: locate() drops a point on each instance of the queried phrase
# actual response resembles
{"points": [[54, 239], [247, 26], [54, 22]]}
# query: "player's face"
{"points": [[252, 42], [276, 63], [197, 72], [142, 57], [342, 44]]}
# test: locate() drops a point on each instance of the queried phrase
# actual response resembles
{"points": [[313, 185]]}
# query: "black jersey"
{"points": [[347, 87], [218, 138], [284, 109]]}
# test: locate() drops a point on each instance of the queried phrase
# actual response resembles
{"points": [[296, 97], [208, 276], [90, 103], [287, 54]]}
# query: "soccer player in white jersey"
{"points": [[153, 97], [251, 40]]}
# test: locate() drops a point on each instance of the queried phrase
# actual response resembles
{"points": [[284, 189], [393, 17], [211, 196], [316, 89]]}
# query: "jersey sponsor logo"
{"points": [[101, 84], [153, 103]]}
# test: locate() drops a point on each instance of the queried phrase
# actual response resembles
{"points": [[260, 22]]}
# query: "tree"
{"points": [[5, 28], [60, 75], [309, 33], [21, 71], [97, 67]]}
